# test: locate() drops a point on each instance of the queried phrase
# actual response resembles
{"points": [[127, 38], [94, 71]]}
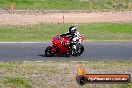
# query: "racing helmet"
{"points": [[72, 29]]}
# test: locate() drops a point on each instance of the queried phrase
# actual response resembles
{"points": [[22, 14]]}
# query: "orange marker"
{"points": [[63, 19], [11, 7]]}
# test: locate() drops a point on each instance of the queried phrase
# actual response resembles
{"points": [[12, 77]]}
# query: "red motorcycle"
{"points": [[61, 46]]}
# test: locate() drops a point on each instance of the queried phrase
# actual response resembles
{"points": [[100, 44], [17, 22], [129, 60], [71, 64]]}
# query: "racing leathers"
{"points": [[74, 38]]}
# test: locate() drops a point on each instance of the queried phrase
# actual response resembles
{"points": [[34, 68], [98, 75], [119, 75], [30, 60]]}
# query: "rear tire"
{"points": [[78, 51], [48, 51]]}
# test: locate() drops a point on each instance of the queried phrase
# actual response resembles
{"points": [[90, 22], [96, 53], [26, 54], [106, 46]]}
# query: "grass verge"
{"points": [[59, 74], [17, 82], [44, 32], [67, 4]]}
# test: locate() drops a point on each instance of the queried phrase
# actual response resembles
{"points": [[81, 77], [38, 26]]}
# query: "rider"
{"points": [[74, 35]]}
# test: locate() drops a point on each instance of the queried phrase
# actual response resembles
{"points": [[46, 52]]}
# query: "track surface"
{"points": [[93, 51]]}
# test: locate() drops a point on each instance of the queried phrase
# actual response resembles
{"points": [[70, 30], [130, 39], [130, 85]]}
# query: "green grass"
{"points": [[43, 4], [33, 74], [29, 68], [17, 82], [44, 32], [67, 4]]}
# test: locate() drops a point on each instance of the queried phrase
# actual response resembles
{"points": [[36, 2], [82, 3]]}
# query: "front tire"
{"points": [[48, 51]]}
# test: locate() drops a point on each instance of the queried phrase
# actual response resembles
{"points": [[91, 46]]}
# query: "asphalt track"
{"points": [[93, 51]]}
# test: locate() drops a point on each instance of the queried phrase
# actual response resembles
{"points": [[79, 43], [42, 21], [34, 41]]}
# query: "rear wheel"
{"points": [[79, 50], [48, 51]]}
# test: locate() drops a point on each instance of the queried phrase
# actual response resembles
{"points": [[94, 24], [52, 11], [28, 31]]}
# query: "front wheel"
{"points": [[48, 51]]}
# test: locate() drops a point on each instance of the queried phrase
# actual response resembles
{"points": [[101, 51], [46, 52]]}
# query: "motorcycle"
{"points": [[61, 46]]}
